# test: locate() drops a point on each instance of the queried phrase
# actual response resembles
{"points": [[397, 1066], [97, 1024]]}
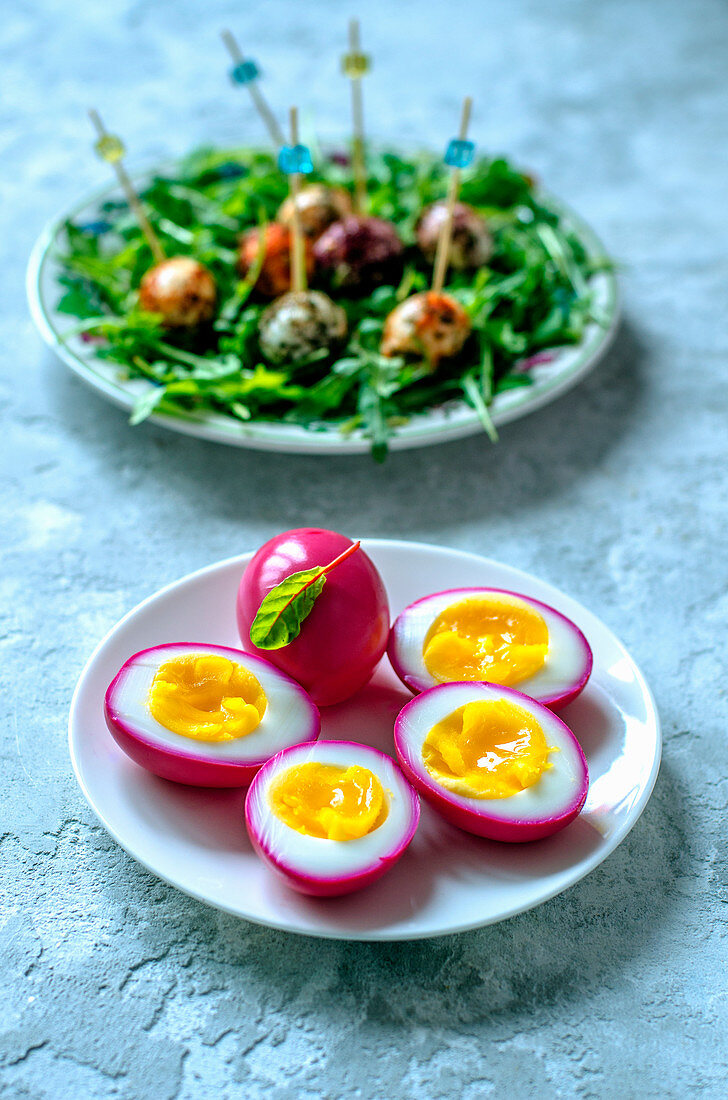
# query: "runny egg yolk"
{"points": [[329, 801], [207, 697], [498, 639], [487, 749]]}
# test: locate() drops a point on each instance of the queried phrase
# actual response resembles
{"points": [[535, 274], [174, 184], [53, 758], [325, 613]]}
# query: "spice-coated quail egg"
{"points": [[471, 244], [431, 325], [318, 207], [269, 253], [181, 289]]}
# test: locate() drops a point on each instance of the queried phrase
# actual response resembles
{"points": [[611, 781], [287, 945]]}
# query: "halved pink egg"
{"points": [[331, 817], [206, 715], [492, 761], [490, 635]]}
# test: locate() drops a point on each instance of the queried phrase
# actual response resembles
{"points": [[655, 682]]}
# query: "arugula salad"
{"points": [[533, 295]]}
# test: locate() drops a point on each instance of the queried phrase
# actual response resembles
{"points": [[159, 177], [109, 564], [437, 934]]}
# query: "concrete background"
{"points": [[112, 984]]}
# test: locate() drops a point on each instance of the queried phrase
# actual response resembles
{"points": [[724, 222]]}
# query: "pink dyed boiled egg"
{"points": [[492, 761], [331, 817], [491, 635], [206, 715], [343, 635]]}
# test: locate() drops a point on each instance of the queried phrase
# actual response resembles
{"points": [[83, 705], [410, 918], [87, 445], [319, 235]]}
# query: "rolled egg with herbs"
{"points": [[206, 715], [492, 761], [331, 817], [491, 635], [299, 324]]}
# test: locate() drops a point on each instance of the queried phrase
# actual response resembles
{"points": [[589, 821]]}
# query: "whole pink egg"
{"points": [[344, 636]]}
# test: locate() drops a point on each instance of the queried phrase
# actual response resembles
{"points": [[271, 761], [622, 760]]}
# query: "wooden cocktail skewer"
{"points": [[180, 289], [111, 149], [433, 325], [298, 270], [355, 65], [286, 254], [302, 322], [458, 155], [359, 251], [246, 72]]}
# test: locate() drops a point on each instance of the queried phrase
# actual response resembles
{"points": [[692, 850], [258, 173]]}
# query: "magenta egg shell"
{"points": [[496, 819], [326, 868], [554, 686], [202, 763], [345, 635]]}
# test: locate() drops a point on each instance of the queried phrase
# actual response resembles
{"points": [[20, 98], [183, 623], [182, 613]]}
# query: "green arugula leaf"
{"points": [[474, 394], [284, 609], [146, 404]]}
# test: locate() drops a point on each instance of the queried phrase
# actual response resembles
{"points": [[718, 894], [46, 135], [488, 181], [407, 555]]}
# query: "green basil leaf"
{"points": [[284, 609]]}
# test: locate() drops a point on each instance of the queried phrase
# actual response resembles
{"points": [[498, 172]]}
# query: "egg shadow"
{"points": [[434, 487], [368, 716], [210, 818], [590, 717], [377, 906], [562, 950]]}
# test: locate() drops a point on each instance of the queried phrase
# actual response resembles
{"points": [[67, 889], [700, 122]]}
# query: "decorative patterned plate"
{"points": [[452, 421]]}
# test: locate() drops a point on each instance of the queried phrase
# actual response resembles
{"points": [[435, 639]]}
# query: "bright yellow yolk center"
{"points": [[497, 639], [329, 801], [207, 697], [487, 749]]}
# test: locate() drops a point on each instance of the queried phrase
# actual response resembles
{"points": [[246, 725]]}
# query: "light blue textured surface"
{"points": [[112, 984]]}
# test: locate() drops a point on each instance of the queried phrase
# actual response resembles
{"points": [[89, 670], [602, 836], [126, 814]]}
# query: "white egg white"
{"points": [[316, 856], [547, 798], [565, 658], [287, 717]]}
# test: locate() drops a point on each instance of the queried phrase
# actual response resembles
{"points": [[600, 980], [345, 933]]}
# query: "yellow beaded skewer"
{"points": [[110, 148], [356, 65]]}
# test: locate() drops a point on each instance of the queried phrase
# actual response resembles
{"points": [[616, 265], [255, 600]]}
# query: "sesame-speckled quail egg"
{"points": [[300, 323]]}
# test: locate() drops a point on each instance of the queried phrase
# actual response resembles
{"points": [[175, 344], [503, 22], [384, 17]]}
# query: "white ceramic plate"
{"points": [[453, 421], [448, 881]]}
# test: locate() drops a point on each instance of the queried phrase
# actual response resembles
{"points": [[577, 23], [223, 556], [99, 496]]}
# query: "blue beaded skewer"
{"points": [[458, 155], [246, 73], [295, 161]]}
